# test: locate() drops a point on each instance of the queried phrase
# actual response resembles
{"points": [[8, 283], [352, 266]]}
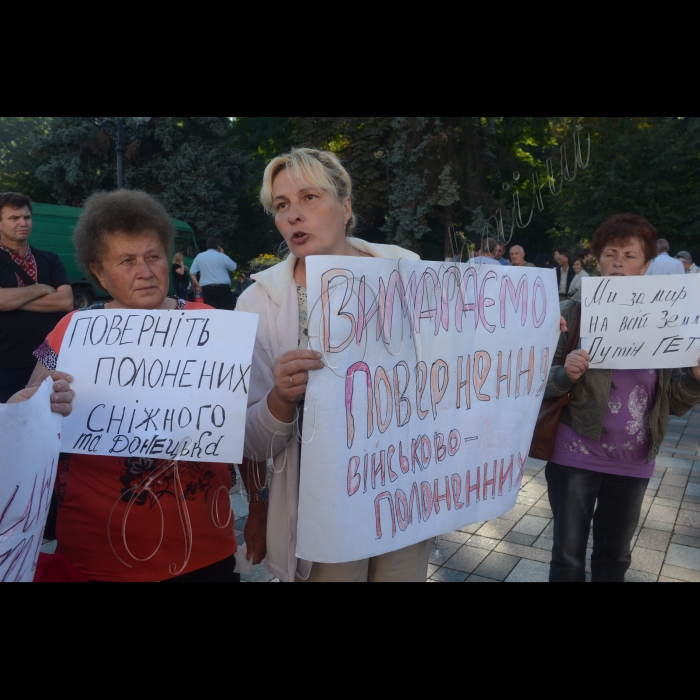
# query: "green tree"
{"points": [[645, 165], [17, 135]]}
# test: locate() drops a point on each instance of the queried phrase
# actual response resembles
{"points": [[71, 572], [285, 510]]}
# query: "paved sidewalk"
{"points": [[517, 547]]}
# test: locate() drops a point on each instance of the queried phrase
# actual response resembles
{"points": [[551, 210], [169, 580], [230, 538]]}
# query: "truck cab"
{"points": [[53, 231]]}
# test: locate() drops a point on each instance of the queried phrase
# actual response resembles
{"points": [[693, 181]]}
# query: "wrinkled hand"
{"points": [[577, 364], [292, 374], [256, 532], [61, 400], [562, 325], [696, 371]]}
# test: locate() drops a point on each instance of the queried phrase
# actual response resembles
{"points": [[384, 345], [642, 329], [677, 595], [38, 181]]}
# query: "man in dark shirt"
{"points": [[35, 294]]}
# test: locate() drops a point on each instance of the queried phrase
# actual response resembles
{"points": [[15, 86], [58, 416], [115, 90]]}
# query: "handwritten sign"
{"points": [[641, 322], [422, 421], [30, 443], [159, 384]]}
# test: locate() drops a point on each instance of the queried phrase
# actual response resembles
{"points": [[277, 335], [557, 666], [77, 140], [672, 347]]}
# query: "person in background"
{"points": [[586, 256], [517, 257], [181, 276], [309, 193], [575, 289], [612, 430], [500, 255], [244, 283], [214, 268], [123, 241], [543, 261], [35, 294], [487, 254], [664, 263], [565, 273], [687, 259]]}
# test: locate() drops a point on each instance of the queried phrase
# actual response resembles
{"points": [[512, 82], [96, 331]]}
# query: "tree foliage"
{"points": [[445, 174]]}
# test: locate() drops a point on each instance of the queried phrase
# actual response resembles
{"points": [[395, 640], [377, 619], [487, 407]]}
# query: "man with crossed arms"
{"points": [[35, 294]]}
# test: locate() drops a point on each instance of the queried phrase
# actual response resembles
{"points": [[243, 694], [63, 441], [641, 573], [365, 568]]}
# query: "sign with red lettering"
{"points": [[30, 444], [422, 420], [162, 385]]}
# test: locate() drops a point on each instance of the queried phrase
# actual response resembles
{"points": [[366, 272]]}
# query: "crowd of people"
{"points": [[598, 474]]}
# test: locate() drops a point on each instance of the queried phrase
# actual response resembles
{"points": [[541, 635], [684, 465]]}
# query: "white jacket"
{"points": [[274, 298]]}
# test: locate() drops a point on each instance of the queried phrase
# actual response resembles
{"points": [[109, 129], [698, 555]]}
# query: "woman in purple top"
{"points": [[612, 430]]}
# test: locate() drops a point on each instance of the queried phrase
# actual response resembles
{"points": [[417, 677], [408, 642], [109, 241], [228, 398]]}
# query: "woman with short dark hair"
{"points": [[612, 430], [114, 512]]}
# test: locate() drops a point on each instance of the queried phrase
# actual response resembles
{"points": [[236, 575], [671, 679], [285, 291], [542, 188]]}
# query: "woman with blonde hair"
{"points": [[309, 193]]}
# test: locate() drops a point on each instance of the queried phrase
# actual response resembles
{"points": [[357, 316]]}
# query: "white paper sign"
{"points": [[159, 384], [30, 442], [641, 322], [422, 422]]}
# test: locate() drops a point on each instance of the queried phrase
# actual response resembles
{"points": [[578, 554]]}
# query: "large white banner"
{"points": [[641, 322], [159, 384], [422, 421], [30, 443]]}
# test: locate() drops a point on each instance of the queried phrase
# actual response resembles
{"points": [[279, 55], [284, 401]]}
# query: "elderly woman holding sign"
{"points": [[309, 193], [133, 519], [612, 430]]}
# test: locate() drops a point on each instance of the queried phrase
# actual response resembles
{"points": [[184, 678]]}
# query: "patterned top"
{"points": [[27, 262], [303, 318], [137, 519], [624, 447]]}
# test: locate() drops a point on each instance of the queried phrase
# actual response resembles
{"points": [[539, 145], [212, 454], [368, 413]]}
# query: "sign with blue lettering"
{"points": [[164, 385]]}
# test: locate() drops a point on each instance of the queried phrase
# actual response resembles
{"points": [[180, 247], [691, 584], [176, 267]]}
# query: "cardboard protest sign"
{"points": [[641, 322], [30, 442], [422, 421], [161, 384]]}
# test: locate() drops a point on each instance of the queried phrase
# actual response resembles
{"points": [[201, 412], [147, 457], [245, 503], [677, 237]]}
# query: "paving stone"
{"points": [[663, 579], [690, 505], [447, 550], [693, 490], [496, 529], [672, 493], [483, 543], [517, 513], [457, 537], [647, 561], [656, 525], [472, 529], [467, 559], [673, 479], [49, 547], [516, 550], [670, 463], [259, 574], [544, 544], [663, 515], [666, 503], [640, 577], [432, 570], [480, 579], [534, 491], [531, 525], [518, 538], [683, 557], [679, 574], [529, 572], [497, 566], [549, 531], [450, 576], [688, 531], [527, 501], [686, 541], [240, 524], [688, 518], [541, 513], [654, 540]]}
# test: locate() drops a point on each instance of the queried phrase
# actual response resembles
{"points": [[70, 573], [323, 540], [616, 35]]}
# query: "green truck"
{"points": [[53, 231]]}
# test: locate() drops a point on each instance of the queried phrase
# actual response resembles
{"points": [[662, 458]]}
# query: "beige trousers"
{"points": [[408, 565]]}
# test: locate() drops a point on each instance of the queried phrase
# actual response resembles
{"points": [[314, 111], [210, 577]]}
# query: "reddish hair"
{"points": [[623, 228]]}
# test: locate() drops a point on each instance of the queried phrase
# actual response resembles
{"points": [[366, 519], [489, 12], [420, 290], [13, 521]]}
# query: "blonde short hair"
{"points": [[178, 259], [321, 169]]}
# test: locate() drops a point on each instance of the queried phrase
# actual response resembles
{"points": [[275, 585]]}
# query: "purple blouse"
{"points": [[624, 446]]}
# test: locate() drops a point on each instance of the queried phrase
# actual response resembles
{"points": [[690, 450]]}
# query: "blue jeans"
{"points": [[573, 494]]}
